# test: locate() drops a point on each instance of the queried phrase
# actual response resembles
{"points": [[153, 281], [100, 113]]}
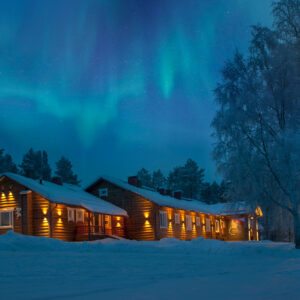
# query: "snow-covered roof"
{"points": [[67, 194], [185, 204]]}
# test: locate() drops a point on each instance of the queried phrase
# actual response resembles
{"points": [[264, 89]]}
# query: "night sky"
{"points": [[116, 85]]}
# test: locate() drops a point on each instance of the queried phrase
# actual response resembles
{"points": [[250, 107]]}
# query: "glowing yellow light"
{"points": [[258, 211], [146, 215], [147, 223], [59, 212], [118, 224], [45, 210], [118, 218], [3, 197], [45, 220]]}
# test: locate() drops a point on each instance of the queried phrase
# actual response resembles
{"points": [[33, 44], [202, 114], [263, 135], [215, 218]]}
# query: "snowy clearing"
{"points": [[41, 268]]}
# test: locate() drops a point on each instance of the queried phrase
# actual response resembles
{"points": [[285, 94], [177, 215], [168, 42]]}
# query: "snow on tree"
{"points": [[35, 165], [64, 170], [257, 125], [6, 163], [158, 179], [144, 177]]}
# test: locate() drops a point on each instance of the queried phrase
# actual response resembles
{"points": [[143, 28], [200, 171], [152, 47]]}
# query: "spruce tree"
{"points": [[35, 165], [144, 177], [6, 163], [65, 172], [158, 179], [188, 179]]}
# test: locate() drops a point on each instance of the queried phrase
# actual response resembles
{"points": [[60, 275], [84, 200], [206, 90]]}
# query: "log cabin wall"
{"points": [[143, 222], [200, 225], [236, 229], [142, 216], [35, 215], [11, 199]]}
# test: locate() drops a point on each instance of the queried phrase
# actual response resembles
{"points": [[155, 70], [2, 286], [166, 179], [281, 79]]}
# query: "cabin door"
{"points": [[98, 224]]}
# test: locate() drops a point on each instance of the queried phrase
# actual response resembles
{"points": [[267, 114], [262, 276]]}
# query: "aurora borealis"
{"points": [[117, 84]]}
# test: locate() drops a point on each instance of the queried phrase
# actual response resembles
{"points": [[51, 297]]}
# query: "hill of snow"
{"points": [[41, 268]]}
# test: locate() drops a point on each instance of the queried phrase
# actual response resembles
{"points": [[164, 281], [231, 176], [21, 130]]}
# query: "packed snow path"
{"points": [[40, 268]]}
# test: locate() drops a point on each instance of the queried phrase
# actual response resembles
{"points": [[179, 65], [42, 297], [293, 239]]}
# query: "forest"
{"points": [[35, 165]]}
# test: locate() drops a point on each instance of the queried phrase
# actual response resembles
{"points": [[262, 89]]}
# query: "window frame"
{"points": [[198, 222], [189, 222], [11, 211], [177, 218], [101, 190], [77, 214], [163, 219], [72, 218]]}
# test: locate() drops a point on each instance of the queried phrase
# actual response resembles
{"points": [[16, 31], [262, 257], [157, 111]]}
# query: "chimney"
{"points": [[162, 191], [57, 180], [177, 195], [133, 180]]}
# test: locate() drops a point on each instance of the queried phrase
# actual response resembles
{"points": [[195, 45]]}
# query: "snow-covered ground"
{"points": [[40, 268]]}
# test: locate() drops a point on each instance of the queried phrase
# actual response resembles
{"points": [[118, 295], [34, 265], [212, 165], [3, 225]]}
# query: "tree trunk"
{"points": [[297, 230]]}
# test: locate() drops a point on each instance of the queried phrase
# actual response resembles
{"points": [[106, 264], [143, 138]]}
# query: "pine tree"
{"points": [[158, 179], [192, 178], [29, 166], [35, 165], [188, 179], [144, 177], [65, 172], [6, 163], [45, 167]]}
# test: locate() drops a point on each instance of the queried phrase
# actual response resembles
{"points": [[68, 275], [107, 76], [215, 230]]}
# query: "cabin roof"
{"points": [[236, 208], [67, 194]]}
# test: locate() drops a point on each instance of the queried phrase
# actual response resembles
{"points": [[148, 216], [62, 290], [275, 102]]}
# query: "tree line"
{"points": [[257, 124], [189, 179], [35, 165]]}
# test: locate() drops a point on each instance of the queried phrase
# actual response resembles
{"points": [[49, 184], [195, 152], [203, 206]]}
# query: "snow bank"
{"points": [[15, 242], [42, 268]]}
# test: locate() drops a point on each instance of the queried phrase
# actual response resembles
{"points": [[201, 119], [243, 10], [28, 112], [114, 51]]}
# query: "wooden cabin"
{"points": [[155, 215], [56, 210]]}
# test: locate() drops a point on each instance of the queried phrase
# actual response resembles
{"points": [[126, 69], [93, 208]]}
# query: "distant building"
{"points": [[112, 207], [154, 215], [49, 209]]}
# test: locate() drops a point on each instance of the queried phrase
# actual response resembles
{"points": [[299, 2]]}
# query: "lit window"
{"points": [[103, 192], [189, 222], [163, 219], [198, 223], [177, 218], [217, 226], [79, 215], [207, 227], [71, 214], [6, 218]]}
